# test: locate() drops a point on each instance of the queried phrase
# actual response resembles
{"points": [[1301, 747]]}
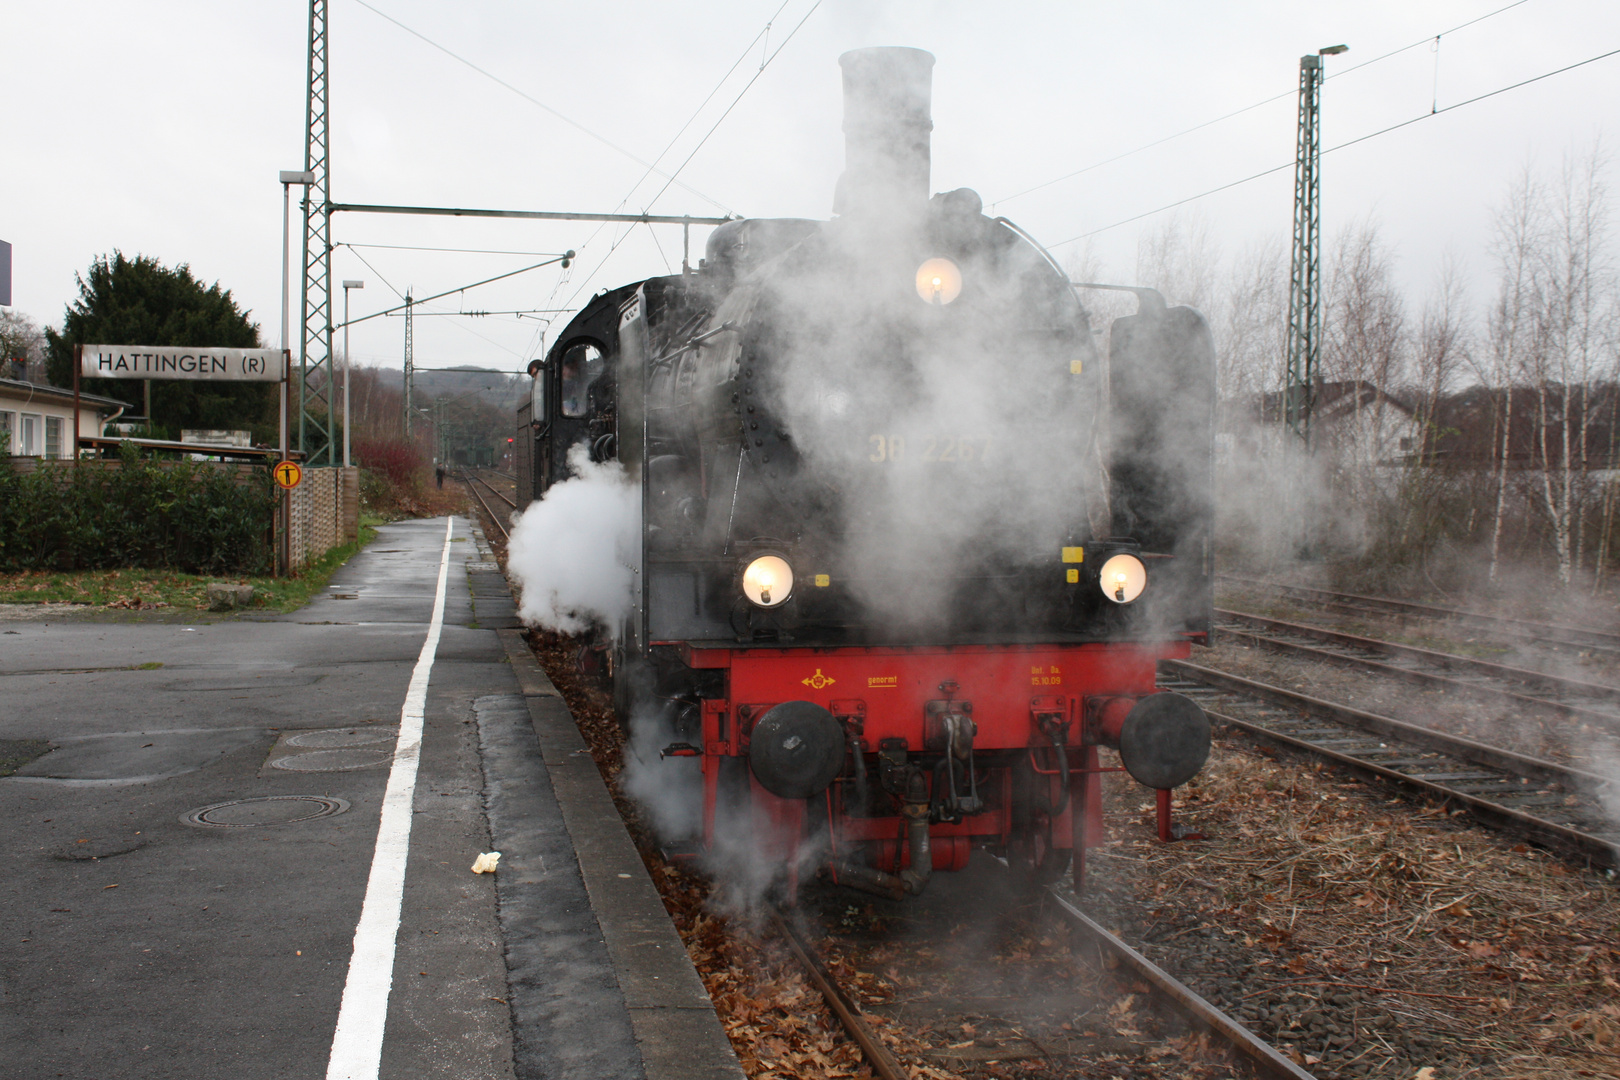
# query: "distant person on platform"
{"points": [[438, 473]]}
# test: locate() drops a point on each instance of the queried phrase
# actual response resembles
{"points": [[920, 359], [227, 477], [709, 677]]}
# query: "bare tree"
{"points": [[1251, 331], [1514, 245], [1365, 349], [22, 347], [1443, 348], [1569, 334], [1182, 260]]}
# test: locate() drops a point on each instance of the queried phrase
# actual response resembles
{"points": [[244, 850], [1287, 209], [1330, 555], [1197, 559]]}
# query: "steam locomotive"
{"points": [[910, 550]]}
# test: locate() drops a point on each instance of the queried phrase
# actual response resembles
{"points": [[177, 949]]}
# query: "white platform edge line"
{"points": [[357, 1043]]}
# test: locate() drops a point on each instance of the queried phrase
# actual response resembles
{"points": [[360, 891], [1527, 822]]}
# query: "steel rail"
{"points": [[878, 1055], [1425, 659], [1483, 779], [1182, 998], [493, 490], [494, 520], [1523, 629]]}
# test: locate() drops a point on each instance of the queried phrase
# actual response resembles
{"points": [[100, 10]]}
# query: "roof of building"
{"points": [[19, 389]]}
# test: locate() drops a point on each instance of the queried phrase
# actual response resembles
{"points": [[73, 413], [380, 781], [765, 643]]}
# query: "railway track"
{"points": [[1515, 629], [1092, 940], [1557, 806], [473, 482], [1593, 702]]}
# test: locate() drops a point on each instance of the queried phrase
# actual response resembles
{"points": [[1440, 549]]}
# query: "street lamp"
{"points": [[347, 285], [288, 179]]}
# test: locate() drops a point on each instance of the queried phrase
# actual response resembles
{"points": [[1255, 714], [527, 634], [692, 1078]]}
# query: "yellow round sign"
{"points": [[288, 473]]}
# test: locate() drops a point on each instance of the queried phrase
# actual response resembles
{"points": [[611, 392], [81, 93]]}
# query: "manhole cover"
{"points": [[269, 810], [355, 736], [333, 760]]}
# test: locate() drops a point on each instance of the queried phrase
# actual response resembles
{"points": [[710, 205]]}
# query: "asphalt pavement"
{"points": [[185, 868]]}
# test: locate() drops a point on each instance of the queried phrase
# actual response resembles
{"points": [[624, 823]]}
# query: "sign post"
{"points": [[288, 474], [284, 536], [78, 360], [202, 364], [183, 362]]}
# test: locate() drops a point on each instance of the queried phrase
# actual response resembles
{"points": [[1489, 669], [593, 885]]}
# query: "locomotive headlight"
{"points": [[1123, 578], [939, 281], [768, 581]]}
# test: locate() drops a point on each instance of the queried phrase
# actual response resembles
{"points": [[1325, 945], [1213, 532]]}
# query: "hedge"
{"points": [[191, 516]]}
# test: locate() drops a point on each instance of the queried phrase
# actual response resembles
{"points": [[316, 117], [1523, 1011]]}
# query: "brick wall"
{"points": [[325, 513]]}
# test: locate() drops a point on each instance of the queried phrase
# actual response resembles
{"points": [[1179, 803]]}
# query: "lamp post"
{"points": [[303, 178], [347, 285], [288, 179]]}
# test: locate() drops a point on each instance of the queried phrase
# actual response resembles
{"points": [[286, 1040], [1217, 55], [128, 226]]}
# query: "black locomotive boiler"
{"points": [[911, 548]]}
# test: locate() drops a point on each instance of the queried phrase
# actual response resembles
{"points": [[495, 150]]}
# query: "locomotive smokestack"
{"points": [[887, 121]]}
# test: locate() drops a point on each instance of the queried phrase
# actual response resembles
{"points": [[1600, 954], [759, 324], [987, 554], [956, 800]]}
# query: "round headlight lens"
{"points": [[1123, 578], [939, 281], [768, 581]]}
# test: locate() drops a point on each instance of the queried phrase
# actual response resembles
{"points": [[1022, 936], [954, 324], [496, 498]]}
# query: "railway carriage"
{"points": [[910, 546]]}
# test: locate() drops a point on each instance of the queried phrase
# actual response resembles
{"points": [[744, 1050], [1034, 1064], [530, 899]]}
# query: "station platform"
{"points": [[238, 859]]}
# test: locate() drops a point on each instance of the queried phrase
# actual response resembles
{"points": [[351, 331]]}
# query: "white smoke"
{"points": [[574, 553], [668, 790]]}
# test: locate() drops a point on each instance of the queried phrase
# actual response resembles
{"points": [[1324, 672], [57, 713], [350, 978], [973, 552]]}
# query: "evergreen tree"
{"points": [[141, 302]]}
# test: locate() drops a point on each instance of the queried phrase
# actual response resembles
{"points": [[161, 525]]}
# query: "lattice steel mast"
{"points": [[315, 377], [1305, 279]]}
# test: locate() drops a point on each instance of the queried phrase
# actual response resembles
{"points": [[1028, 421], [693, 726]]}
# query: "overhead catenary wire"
{"points": [[765, 62], [1428, 40], [481, 314], [465, 251], [565, 277], [701, 142], [531, 99], [448, 292], [1340, 146], [374, 270]]}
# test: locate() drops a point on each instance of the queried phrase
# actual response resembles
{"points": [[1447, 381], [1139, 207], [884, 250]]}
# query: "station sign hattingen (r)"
{"points": [[169, 362]]}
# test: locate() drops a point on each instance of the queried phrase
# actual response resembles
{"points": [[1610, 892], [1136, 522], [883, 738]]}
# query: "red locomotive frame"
{"points": [[884, 693]]}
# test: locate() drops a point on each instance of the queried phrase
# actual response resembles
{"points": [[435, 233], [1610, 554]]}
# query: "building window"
{"points": [[53, 437], [28, 445], [8, 432]]}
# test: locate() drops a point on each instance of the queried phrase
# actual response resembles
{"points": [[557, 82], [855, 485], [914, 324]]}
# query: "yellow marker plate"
{"points": [[1073, 576], [1074, 554], [823, 580], [1074, 367]]}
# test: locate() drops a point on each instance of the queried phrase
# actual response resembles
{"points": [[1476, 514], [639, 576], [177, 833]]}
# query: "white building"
{"points": [[37, 420]]}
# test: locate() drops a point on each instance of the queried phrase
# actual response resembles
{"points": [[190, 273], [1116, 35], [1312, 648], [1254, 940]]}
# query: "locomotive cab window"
{"points": [[580, 366]]}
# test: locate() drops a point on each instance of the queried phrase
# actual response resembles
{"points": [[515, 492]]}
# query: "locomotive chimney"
{"points": [[887, 123]]}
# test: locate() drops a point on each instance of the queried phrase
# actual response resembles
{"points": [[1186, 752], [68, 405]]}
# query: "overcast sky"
{"points": [[158, 128]]}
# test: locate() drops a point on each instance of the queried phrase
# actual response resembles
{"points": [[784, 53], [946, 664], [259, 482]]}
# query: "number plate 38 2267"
{"points": [[893, 448]]}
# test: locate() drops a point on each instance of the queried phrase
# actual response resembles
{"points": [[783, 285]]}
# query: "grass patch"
{"points": [[138, 590]]}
